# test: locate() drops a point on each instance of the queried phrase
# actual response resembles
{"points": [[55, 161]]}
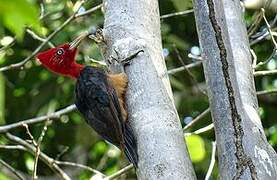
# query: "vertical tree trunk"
{"points": [[131, 26], [243, 150]]}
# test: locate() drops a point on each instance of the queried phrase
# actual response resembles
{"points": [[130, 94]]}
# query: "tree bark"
{"points": [[243, 150], [133, 26]]}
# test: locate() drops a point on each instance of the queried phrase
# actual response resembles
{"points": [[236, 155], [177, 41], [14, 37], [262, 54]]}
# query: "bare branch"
{"points": [[265, 73], [201, 130], [269, 29], [179, 69], [35, 36], [197, 118], [271, 91], [10, 147], [55, 115], [66, 163], [210, 170], [120, 172], [15, 172], [89, 11], [176, 14], [50, 162]]}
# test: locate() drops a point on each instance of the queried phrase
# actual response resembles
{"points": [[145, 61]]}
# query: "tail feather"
{"points": [[130, 148]]}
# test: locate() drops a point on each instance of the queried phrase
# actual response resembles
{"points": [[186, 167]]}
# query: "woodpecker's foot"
{"points": [[124, 50], [97, 36]]}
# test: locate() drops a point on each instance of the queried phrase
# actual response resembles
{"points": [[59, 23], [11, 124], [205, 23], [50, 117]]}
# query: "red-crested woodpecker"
{"points": [[99, 96]]}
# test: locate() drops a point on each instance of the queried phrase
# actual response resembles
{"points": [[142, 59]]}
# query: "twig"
{"points": [[118, 173], [211, 166], [89, 11], [29, 134], [65, 163], [197, 118], [271, 91], [62, 153], [79, 166], [103, 161], [54, 115], [42, 134], [195, 57], [35, 36], [179, 69], [265, 73], [259, 38], [50, 162], [256, 23], [42, 11], [267, 60], [176, 14], [193, 79], [269, 29], [71, 18], [202, 130], [254, 61], [17, 174], [10, 147]]}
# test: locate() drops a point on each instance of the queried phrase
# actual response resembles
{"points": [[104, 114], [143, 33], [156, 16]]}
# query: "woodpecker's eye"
{"points": [[60, 51]]}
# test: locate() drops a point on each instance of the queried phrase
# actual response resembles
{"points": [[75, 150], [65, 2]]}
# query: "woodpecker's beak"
{"points": [[75, 43]]}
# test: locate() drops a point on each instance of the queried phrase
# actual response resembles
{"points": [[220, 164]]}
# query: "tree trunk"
{"points": [[243, 150], [131, 26]]}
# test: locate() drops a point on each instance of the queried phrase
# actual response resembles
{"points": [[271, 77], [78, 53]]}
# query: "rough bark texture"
{"points": [[131, 26], [243, 150]]}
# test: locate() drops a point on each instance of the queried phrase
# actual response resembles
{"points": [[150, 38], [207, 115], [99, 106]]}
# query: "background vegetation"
{"points": [[32, 91]]}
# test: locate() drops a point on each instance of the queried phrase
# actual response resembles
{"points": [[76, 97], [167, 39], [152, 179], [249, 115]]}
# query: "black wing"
{"points": [[98, 102]]}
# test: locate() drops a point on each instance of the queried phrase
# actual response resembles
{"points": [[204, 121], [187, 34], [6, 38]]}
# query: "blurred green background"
{"points": [[33, 91]]}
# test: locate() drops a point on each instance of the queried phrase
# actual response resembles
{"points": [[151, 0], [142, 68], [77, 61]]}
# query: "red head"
{"points": [[61, 59]]}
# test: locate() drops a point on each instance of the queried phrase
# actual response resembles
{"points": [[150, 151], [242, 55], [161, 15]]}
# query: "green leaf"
{"points": [[196, 148], [16, 14]]}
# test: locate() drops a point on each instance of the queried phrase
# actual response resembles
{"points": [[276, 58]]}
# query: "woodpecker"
{"points": [[99, 96]]}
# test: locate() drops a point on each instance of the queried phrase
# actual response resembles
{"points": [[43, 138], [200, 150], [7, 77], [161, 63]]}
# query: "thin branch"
{"points": [[179, 69], [176, 14], [50, 162], [269, 29], [55, 115], [14, 171], [273, 54], [265, 73], [37, 145], [195, 57], [35, 36], [256, 23], [71, 18], [271, 91], [66, 163], [42, 10], [192, 77], [120, 172], [89, 11], [12, 147], [197, 118], [63, 163], [202, 130], [211, 166]]}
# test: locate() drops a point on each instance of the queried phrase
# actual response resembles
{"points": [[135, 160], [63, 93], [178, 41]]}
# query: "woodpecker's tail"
{"points": [[130, 148]]}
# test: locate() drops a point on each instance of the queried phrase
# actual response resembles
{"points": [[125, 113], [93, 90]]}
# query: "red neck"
{"points": [[75, 70]]}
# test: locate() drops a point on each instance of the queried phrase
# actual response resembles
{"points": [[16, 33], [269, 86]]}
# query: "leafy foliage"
{"points": [[17, 14]]}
